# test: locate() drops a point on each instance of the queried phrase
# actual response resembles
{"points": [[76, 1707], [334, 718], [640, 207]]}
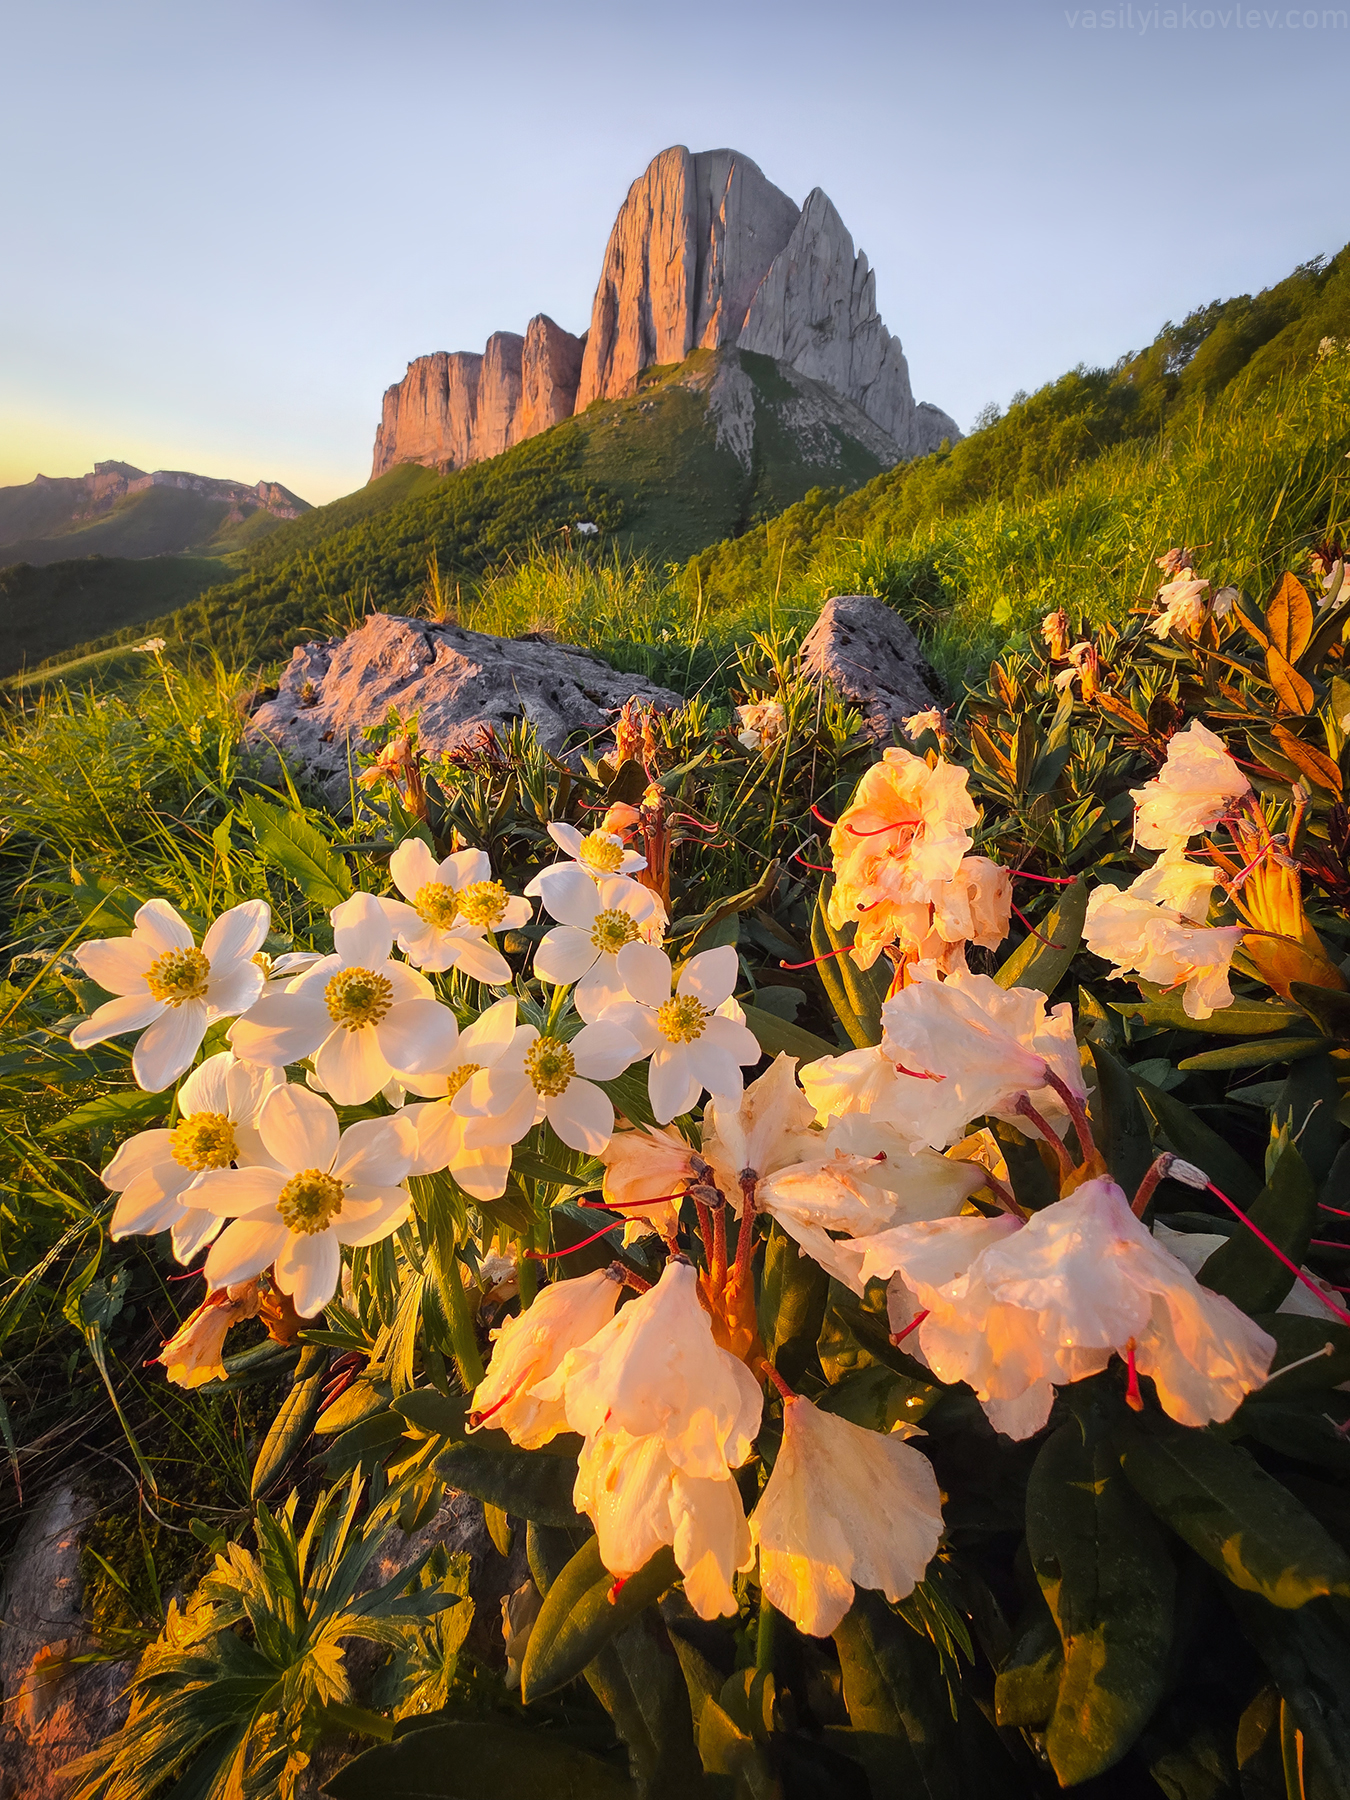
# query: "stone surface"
{"points": [[550, 371], [496, 420], [49, 1716], [455, 680], [54, 504], [428, 416], [817, 310], [811, 413], [873, 658]]}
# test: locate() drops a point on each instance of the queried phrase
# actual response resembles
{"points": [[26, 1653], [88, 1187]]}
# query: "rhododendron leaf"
{"points": [[1308, 1655], [528, 1484], [1298, 1432], [637, 1679], [290, 843], [293, 1424], [1035, 1181], [776, 1035], [879, 1399], [1027, 1684], [793, 1290], [362, 1400], [465, 1759], [1286, 1211], [1197, 1143], [854, 1334], [1289, 618], [893, 1687], [1294, 692], [1251, 1056], [1298, 1337], [433, 1414], [1244, 1018], [579, 1617], [854, 994], [1221, 1502], [1109, 1583], [1306, 1107], [1119, 1121], [1042, 959], [1329, 1006]]}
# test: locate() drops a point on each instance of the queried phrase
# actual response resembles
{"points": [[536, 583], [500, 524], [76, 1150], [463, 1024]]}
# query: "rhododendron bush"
{"points": [[899, 1304]]}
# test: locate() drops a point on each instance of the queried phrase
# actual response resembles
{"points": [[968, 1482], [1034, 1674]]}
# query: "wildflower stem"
{"points": [[745, 1239], [1156, 1172], [1077, 1112], [769, 1373], [1003, 1197], [1048, 1132]]}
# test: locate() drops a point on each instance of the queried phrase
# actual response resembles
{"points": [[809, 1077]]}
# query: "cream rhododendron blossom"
{"points": [[362, 1017], [1185, 605], [531, 1346], [767, 1128], [644, 1166], [324, 1188], [194, 1354], [931, 719], [537, 1078], [480, 1169], [168, 989], [843, 1507], [599, 852], [897, 846], [966, 1047], [761, 724], [596, 919], [1197, 784], [448, 907], [154, 1173], [857, 1081], [691, 1035], [1142, 934]]}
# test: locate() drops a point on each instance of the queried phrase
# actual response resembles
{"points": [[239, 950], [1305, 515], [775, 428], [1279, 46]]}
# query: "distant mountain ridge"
{"points": [[118, 509], [706, 253]]}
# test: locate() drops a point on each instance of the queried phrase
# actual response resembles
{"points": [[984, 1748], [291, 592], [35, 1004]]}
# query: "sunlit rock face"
{"points": [[705, 252]]}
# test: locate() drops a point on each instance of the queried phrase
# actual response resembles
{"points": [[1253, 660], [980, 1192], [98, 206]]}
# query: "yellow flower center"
{"points": [[309, 1201], [483, 903], [601, 850], [357, 997], [613, 929], [261, 960], [550, 1065], [683, 1018], [203, 1140], [436, 903], [455, 1080], [177, 976]]}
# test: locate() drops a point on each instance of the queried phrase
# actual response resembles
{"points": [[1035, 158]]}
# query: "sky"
{"points": [[228, 228]]}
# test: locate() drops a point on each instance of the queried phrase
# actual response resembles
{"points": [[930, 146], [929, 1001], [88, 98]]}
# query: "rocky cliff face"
{"points": [[705, 252], [53, 505]]}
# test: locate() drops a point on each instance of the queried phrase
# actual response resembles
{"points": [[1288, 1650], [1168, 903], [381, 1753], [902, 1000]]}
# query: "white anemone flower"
{"points": [[530, 1347], [692, 1038], [155, 1172], [362, 1017], [639, 1499], [481, 1170], [543, 1077], [596, 919], [843, 1507], [324, 1188], [168, 989], [596, 853], [448, 908]]}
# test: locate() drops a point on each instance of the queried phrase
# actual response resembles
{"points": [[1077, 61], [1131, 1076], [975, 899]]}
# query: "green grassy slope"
{"points": [[649, 470], [69, 602]]}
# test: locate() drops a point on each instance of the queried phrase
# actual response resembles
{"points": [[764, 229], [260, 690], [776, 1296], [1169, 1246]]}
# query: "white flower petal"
{"points": [[243, 1250], [129, 1012], [281, 1028], [569, 895], [734, 1040], [160, 926], [604, 1050], [118, 964], [351, 1065], [463, 867], [646, 973], [418, 1035], [298, 1128], [207, 1087], [237, 934], [564, 955], [235, 990], [413, 866], [490, 1034], [377, 1214], [582, 1116], [307, 1268], [672, 1085], [233, 1193], [191, 1229], [376, 1152], [138, 1155], [711, 975], [168, 1046], [482, 1171], [144, 1208], [362, 934]]}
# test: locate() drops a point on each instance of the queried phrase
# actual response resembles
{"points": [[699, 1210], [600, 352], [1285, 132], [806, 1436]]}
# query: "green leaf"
{"points": [[1121, 1130], [1308, 1655], [579, 1618], [1249, 1056], [433, 1413], [893, 1687], [629, 1095], [1224, 1505], [1027, 1684], [294, 1422], [1286, 1211], [469, 1759], [774, 1035], [1195, 1142], [1109, 1583], [878, 1399], [1244, 1018], [1043, 964], [529, 1484], [114, 1111], [792, 1295], [287, 841], [1296, 1337], [701, 930], [855, 994]]}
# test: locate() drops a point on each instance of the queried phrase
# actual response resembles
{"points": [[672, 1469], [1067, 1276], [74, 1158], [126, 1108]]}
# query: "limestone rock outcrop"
{"points": [[872, 657], [705, 253], [456, 681]]}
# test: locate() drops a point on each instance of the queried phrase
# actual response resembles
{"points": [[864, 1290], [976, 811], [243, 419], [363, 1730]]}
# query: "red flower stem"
{"points": [[1339, 1212], [842, 951], [1156, 1172], [719, 1268], [1279, 1254], [1077, 1112], [1133, 1398], [548, 1255], [914, 1324], [1049, 880], [1004, 1198], [820, 868], [1048, 1132], [1038, 935], [745, 1238], [768, 1371], [705, 1228]]}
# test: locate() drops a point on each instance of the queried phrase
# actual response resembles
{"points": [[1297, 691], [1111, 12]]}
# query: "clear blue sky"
{"points": [[227, 228]]}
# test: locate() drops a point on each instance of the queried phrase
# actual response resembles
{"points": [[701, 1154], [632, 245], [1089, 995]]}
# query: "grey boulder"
{"points": [[871, 656]]}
